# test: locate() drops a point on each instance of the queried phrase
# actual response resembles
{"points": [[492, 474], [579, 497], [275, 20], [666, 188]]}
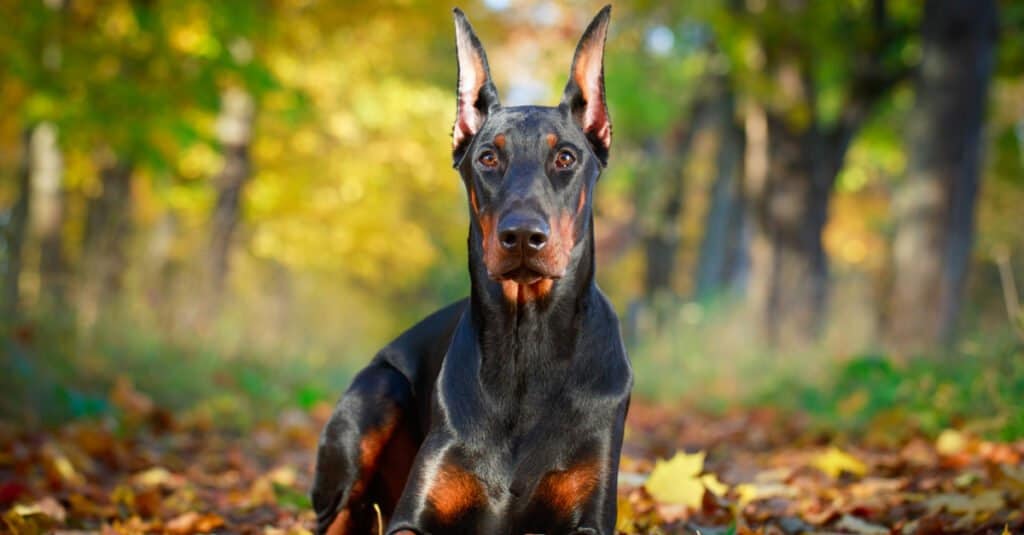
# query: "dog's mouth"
{"points": [[524, 274]]}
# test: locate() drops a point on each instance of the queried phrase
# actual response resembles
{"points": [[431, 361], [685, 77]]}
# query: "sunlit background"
{"points": [[231, 205]]}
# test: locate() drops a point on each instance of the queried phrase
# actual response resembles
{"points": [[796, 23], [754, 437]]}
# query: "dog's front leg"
{"points": [[599, 512], [351, 445]]}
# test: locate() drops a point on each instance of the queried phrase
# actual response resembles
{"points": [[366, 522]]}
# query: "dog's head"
{"points": [[530, 170]]}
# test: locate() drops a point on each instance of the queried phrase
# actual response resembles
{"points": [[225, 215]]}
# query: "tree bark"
{"points": [[792, 161], [47, 218], [14, 234], [661, 239], [663, 197], [934, 211], [722, 262], [108, 226], [234, 129], [788, 202]]}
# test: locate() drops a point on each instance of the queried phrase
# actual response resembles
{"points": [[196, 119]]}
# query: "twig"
{"points": [[380, 519], [1013, 312]]}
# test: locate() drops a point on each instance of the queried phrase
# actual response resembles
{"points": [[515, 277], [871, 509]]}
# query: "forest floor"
{"points": [[748, 471]]}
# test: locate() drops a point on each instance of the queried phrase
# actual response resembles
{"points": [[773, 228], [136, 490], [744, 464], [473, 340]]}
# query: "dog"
{"points": [[502, 413]]}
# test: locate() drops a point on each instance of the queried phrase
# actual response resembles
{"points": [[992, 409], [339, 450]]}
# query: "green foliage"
{"points": [[978, 388], [704, 358], [53, 381]]}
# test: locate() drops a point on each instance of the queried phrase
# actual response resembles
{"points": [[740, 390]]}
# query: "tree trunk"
{"points": [[934, 211], [47, 219], [663, 198], [14, 234], [107, 230], [723, 250], [788, 199], [661, 239], [234, 129]]}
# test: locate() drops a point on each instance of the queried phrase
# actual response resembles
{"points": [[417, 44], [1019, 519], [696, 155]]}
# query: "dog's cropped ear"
{"points": [[477, 96], [584, 94]]}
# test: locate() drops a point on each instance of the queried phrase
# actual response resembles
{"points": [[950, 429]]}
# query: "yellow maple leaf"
{"points": [[714, 485], [835, 461], [679, 480]]}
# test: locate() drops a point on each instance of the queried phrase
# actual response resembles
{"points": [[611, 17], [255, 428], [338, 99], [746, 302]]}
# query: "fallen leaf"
{"points": [[748, 492], [714, 485], [193, 522], [86, 507], [60, 467], [153, 477], [283, 475], [962, 504], [950, 442], [678, 480], [635, 517], [10, 491], [835, 461], [861, 527], [46, 506]]}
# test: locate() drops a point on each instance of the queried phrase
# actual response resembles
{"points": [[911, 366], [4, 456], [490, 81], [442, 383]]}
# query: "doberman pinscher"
{"points": [[502, 413]]}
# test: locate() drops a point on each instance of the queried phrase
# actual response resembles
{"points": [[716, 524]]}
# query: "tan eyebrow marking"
{"points": [[499, 141], [552, 139]]}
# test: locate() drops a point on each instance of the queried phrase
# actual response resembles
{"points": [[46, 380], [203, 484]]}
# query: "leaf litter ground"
{"points": [[748, 471]]}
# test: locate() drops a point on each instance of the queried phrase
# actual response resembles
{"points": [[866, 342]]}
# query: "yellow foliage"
{"points": [[835, 461], [679, 480], [365, 191]]}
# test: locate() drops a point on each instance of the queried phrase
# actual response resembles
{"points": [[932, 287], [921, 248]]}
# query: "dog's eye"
{"points": [[564, 159], [488, 159]]}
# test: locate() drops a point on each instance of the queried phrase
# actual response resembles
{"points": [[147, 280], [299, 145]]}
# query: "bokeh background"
{"points": [[230, 205]]}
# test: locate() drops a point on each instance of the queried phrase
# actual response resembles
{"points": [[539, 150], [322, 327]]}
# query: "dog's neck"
{"points": [[542, 329]]}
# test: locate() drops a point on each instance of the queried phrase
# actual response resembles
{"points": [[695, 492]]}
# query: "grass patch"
{"points": [[56, 376], [714, 366]]}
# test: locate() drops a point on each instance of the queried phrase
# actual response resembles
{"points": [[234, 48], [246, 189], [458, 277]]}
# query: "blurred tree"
{"points": [[661, 196], [108, 226], [359, 195], [14, 233], [130, 85], [934, 211], [234, 131], [660, 100], [32, 55], [722, 261], [808, 74], [662, 192], [47, 215]]}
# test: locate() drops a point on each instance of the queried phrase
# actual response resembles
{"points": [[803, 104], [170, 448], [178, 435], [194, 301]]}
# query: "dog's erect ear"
{"points": [[584, 94], [477, 96]]}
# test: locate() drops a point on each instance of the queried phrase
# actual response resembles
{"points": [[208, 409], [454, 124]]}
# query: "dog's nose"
{"points": [[523, 232]]}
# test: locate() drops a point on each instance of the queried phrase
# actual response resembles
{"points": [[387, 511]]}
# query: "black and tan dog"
{"points": [[502, 413]]}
